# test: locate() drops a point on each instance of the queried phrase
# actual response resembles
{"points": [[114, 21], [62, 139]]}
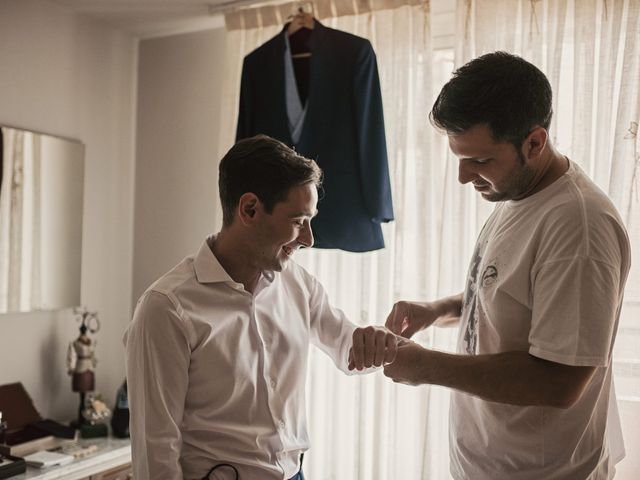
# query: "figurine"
{"points": [[81, 360], [96, 411]]}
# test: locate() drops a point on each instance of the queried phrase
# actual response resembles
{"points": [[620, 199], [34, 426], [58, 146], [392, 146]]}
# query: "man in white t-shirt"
{"points": [[532, 396]]}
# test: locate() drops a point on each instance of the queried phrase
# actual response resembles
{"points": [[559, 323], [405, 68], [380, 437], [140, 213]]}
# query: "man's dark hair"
{"points": [[503, 91], [266, 167]]}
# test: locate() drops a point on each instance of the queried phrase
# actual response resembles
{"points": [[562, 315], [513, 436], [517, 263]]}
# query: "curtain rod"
{"points": [[234, 5], [243, 14], [231, 5]]}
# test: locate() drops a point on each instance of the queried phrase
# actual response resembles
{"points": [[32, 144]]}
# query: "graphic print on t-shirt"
{"points": [[471, 309], [489, 276]]}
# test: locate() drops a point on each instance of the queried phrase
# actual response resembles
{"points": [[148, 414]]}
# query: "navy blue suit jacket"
{"points": [[343, 131]]}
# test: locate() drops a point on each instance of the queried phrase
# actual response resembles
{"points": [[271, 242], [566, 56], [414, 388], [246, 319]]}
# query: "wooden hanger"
{"points": [[303, 18]]}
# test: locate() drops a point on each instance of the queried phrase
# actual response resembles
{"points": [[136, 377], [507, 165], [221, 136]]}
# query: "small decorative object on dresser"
{"points": [[81, 360], [96, 415], [120, 419]]}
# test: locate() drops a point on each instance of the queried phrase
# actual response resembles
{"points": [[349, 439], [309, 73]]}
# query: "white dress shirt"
{"points": [[217, 375]]}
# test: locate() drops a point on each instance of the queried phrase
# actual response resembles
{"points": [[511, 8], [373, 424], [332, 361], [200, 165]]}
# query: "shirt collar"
{"points": [[209, 270]]}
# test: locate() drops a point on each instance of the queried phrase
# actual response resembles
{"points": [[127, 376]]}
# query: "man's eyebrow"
{"points": [[304, 214]]}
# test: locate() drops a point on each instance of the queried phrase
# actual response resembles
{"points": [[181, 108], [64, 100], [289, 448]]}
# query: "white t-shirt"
{"points": [[547, 277]]}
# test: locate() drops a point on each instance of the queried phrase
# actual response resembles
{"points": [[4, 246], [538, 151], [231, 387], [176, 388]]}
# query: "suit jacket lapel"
{"points": [[276, 68]]}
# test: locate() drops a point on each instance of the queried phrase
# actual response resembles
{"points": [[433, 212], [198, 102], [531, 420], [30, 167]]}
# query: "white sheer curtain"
{"points": [[590, 50], [367, 427]]}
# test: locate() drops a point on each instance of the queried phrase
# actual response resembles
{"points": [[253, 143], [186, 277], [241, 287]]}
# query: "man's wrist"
{"points": [[425, 367], [447, 307]]}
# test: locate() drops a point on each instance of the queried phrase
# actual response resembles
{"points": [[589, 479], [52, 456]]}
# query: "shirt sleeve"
{"points": [[578, 283], [157, 359], [575, 311], [330, 330]]}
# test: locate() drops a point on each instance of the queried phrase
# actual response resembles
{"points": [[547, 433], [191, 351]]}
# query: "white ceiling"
{"points": [[148, 18]]}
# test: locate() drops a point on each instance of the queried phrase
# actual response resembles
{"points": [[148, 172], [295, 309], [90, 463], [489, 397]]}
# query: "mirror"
{"points": [[41, 194]]}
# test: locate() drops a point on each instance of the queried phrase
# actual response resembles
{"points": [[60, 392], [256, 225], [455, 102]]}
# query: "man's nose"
{"points": [[306, 235], [465, 172]]}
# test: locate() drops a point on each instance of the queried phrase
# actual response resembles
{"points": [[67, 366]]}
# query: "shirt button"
{"points": [[273, 383], [281, 425]]}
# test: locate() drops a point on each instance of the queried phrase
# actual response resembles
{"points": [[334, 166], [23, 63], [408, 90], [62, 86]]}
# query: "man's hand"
{"points": [[409, 365], [408, 318], [372, 347]]}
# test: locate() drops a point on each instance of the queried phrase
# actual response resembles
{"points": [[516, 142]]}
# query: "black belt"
{"points": [[235, 470], [221, 465]]}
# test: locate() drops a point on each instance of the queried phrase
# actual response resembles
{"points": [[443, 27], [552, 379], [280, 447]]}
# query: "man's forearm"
{"points": [[449, 310], [515, 378]]}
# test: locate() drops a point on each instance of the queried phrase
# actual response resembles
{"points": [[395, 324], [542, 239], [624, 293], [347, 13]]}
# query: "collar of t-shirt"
{"points": [[548, 190]]}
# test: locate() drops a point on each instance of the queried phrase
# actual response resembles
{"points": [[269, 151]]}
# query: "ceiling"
{"points": [[148, 18]]}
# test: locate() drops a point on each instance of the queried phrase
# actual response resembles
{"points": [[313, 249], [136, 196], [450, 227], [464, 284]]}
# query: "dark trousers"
{"points": [[298, 476]]}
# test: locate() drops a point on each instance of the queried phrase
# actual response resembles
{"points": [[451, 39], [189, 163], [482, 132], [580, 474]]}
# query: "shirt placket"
{"points": [[269, 377]]}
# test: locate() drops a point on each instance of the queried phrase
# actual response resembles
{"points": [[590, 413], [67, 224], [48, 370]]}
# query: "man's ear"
{"points": [[534, 144], [248, 207]]}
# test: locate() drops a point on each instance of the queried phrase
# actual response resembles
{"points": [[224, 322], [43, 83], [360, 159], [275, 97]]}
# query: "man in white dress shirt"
{"points": [[217, 349]]}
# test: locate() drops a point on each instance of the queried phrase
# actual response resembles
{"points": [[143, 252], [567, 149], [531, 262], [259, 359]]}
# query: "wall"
{"points": [[179, 97], [68, 75]]}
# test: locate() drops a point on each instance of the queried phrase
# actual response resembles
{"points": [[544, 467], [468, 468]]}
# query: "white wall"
{"points": [[179, 97], [63, 74]]}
